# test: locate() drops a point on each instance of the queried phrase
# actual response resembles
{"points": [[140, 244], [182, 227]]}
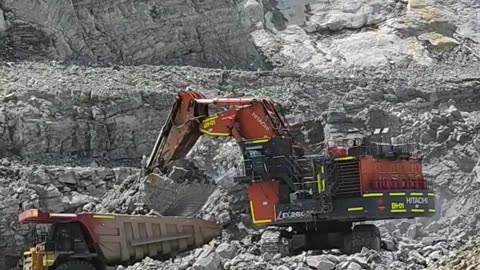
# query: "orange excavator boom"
{"points": [[244, 118]]}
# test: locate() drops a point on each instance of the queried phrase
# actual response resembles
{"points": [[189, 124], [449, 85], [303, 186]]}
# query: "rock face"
{"points": [[248, 34], [203, 33], [320, 34]]}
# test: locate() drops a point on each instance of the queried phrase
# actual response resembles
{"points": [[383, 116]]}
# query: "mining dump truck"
{"points": [[90, 241], [321, 196]]}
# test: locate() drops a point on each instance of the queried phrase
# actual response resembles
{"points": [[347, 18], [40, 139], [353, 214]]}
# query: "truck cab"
{"points": [[59, 243]]}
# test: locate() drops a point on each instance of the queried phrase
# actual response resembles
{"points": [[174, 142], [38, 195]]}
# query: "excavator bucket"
{"points": [[176, 199], [180, 131], [178, 135]]}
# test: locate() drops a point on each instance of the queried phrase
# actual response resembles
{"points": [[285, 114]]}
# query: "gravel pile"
{"points": [[467, 257]]}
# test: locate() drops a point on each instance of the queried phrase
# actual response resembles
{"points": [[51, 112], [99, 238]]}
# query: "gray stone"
{"points": [[210, 262], [412, 231], [67, 177], [432, 240], [320, 262], [436, 255], [354, 266], [417, 257], [454, 112], [3, 24], [178, 173], [226, 251]]}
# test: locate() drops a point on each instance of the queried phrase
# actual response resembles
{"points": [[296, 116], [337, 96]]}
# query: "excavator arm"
{"points": [[242, 119]]}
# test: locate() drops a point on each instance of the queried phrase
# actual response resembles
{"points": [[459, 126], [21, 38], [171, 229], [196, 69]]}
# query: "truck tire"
{"points": [[366, 235], [75, 265]]}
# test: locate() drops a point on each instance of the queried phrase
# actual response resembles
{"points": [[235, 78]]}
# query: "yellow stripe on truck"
{"points": [[355, 209], [103, 216]]}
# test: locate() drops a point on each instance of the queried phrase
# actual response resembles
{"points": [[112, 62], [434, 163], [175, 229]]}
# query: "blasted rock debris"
{"points": [[467, 257]]}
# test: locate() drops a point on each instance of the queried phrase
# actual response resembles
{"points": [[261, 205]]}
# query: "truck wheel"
{"points": [[75, 265], [366, 235]]}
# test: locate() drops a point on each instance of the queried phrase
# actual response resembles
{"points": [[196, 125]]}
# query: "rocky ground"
{"points": [[73, 131]]}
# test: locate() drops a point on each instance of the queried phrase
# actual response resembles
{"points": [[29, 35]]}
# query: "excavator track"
{"points": [[274, 242]]}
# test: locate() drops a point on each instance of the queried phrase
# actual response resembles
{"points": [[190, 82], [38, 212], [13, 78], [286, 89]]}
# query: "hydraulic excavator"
{"points": [[319, 197]]}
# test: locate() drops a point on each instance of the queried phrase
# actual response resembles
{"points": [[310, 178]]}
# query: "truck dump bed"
{"points": [[125, 239]]}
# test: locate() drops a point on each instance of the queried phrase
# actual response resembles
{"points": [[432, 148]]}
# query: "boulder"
{"points": [[226, 251], [320, 262], [209, 262]]}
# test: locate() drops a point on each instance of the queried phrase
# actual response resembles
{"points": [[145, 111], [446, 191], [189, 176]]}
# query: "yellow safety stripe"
{"points": [[344, 158], [397, 194], [417, 210], [318, 183], [431, 210], [48, 262], [416, 194], [254, 220], [355, 209], [399, 211], [104, 216], [214, 133], [372, 195], [260, 141], [27, 253], [430, 194], [321, 183]]}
